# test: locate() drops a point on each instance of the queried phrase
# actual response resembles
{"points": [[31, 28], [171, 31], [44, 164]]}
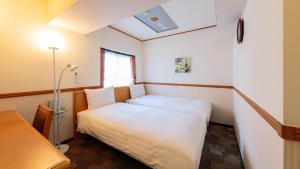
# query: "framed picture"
{"points": [[183, 64]]}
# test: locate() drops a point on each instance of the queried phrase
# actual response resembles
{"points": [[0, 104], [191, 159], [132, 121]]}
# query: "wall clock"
{"points": [[240, 31]]}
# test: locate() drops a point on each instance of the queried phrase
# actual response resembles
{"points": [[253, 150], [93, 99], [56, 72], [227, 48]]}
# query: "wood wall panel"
{"points": [[27, 106], [284, 131], [41, 92], [190, 85]]}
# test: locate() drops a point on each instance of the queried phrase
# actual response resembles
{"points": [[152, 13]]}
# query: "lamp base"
{"points": [[63, 148]]}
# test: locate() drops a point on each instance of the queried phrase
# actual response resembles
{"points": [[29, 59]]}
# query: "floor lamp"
{"points": [[56, 103]]}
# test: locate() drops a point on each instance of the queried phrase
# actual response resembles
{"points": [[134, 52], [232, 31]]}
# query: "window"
{"points": [[117, 69]]}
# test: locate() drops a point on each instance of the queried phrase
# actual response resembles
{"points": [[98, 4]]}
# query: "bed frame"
{"points": [[80, 102]]}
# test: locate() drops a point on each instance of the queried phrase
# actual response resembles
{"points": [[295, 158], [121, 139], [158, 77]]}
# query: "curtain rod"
{"points": [[121, 53]]}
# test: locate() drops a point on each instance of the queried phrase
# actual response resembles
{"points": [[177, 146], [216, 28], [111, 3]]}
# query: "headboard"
{"points": [[80, 102]]}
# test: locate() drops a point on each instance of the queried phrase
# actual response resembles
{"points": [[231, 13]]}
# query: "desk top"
{"points": [[22, 147]]}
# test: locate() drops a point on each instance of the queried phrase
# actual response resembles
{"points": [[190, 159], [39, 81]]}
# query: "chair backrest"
{"points": [[42, 120]]}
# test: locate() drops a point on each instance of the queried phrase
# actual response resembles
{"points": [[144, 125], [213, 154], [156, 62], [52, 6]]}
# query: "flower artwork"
{"points": [[183, 65]]}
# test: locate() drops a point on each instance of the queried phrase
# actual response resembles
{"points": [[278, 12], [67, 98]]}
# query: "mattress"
{"points": [[192, 106], [162, 139]]}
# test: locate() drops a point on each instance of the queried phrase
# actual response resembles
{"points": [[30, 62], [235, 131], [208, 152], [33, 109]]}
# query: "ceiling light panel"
{"points": [[157, 19]]}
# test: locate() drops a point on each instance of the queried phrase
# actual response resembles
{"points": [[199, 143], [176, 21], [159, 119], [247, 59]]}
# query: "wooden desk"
{"points": [[22, 147]]}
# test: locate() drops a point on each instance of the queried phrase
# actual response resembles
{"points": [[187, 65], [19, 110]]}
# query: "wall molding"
{"points": [[125, 33], [263, 113], [41, 92], [286, 132], [190, 85], [197, 29], [174, 34]]}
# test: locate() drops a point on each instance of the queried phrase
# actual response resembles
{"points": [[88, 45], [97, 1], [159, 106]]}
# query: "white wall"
{"points": [[211, 58], [259, 143], [112, 39], [221, 99], [211, 64], [258, 73], [257, 65], [89, 69], [25, 66]]}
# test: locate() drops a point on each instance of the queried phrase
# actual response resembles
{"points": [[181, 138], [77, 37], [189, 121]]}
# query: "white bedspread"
{"points": [[162, 139], [175, 103]]}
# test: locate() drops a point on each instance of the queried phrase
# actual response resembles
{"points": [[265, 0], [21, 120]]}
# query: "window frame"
{"points": [[102, 64]]}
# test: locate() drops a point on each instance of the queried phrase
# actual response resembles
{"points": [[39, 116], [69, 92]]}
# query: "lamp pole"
{"points": [[56, 102], [55, 97]]}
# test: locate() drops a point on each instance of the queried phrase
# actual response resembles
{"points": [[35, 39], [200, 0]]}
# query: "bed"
{"points": [[192, 106], [160, 138]]}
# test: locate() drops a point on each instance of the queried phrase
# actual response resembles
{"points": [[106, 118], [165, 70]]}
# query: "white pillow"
{"points": [[100, 97], [137, 91]]}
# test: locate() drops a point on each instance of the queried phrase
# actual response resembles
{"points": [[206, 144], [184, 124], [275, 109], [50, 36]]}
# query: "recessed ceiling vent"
{"points": [[157, 19], [154, 18]]}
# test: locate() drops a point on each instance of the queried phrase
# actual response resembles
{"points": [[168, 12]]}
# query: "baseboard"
{"points": [[221, 124], [67, 140]]}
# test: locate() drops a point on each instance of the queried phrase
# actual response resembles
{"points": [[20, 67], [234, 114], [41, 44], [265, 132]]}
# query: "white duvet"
{"points": [[175, 103], [162, 139]]}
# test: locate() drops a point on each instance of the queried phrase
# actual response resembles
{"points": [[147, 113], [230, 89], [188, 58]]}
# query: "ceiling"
{"points": [[85, 16], [228, 12], [187, 14]]}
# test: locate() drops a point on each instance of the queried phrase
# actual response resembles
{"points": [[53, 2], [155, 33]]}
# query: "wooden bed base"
{"points": [[80, 102]]}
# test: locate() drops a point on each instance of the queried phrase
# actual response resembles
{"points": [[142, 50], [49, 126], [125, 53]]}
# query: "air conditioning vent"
{"points": [[154, 18], [157, 19]]}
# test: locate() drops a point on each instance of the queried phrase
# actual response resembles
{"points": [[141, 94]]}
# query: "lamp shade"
{"points": [[55, 40], [72, 67], [49, 39]]}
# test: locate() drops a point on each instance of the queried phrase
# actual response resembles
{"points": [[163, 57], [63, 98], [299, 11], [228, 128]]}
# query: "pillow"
{"points": [[100, 97], [137, 91]]}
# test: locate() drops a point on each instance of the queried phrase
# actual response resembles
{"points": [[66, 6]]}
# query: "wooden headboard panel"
{"points": [[80, 102]]}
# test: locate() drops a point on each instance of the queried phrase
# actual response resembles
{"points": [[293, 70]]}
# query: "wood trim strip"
{"points": [[125, 33], [290, 133], [197, 29], [285, 132], [207, 27], [40, 92], [263, 113], [190, 85]]}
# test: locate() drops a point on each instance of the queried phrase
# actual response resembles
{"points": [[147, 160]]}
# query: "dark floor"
{"points": [[220, 151]]}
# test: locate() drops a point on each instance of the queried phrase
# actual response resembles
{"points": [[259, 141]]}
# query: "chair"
{"points": [[42, 120]]}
